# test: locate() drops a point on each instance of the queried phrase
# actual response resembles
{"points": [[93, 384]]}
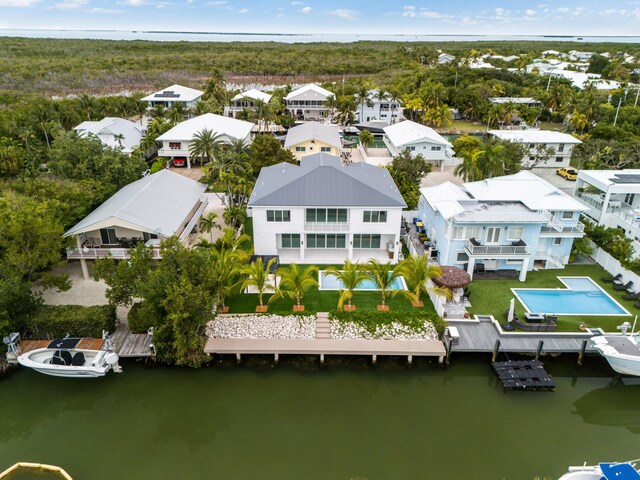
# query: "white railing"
{"points": [[628, 216], [326, 227], [91, 253], [194, 219], [563, 228], [496, 249]]}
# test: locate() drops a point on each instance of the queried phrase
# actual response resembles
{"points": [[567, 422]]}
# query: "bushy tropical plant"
{"points": [[258, 276], [295, 281], [351, 276], [417, 270], [383, 276]]}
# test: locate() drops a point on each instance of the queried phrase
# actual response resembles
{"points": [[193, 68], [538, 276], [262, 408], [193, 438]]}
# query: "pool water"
{"points": [[581, 297], [329, 282]]}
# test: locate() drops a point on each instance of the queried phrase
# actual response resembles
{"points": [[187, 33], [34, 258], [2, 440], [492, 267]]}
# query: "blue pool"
{"points": [[329, 282], [581, 297]]}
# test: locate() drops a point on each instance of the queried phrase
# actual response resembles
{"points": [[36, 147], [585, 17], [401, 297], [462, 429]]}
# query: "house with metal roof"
{"points": [[379, 108], [114, 132], [313, 137], [514, 223], [245, 101], [322, 211], [177, 141], [155, 207], [174, 94], [543, 148], [419, 139], [308, 102]]}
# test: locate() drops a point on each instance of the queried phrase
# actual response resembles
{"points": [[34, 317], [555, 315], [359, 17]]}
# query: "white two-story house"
{"points": [[419, 140], [177, 141], [308, 102], [379, 109], [560, 146], [515, 222], [324, 212], [114, 132], [174, 94], [245, 101]]}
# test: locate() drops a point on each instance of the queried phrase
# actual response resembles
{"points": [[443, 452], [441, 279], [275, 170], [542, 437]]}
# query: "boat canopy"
{"points": [[619, 471]]}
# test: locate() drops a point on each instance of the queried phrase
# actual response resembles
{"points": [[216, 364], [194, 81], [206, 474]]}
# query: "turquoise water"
{"points": [[581, 297], [329, 282]]}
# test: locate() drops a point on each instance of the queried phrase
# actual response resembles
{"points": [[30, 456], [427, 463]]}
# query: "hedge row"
{"points": [[370, 319], [57, 321]]}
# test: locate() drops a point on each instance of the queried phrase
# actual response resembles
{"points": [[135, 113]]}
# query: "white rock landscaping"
{"points": [[262, 326], [394, 331]]}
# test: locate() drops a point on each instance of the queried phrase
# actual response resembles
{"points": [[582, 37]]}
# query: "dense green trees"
{"points": [[486, 158], [407, 172]]}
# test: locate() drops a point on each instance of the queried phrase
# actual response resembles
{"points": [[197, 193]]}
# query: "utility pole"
{"points": [[615, 120], [637, 93], [548, 83]]}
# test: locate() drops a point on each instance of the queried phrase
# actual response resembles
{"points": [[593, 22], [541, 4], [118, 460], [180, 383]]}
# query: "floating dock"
{"points": [[524, 375]]}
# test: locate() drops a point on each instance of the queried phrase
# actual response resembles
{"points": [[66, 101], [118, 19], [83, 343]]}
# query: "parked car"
{"points": [[179, 162], [568, 173]]}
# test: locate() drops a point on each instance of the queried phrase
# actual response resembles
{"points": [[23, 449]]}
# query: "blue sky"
{"points": [[585, 17]]}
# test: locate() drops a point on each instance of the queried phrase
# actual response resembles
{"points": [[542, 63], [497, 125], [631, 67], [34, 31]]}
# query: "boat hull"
{"points": [[94, 367], [625, 366]]}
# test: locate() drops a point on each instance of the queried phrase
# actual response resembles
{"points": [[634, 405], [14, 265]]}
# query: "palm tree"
{"points": [[178, 112], [294, 282], [263, 113], [438, 116], [208, 223], [258, 276], [366, 139], [418, 271], [231, 240], [363, 98], [469, 170], [158, 111], [88, 104], [383, 275], [225, 267], [205, 144], [351, 276]]}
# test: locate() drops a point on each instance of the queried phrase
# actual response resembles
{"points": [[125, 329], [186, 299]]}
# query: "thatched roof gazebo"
{"points": [[452, 278]]}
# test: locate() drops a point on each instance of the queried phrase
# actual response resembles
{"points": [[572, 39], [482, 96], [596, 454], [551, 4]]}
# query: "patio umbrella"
{"points": [[452, 278], [512, 308]]}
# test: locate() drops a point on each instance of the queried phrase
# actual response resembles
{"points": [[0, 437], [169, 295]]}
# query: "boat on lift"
{"points": [[604, 471], [621, 351]]}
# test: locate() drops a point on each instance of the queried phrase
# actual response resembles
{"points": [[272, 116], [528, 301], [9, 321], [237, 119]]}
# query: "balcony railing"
{"points": [[561, 228], [92, 253], [326, 227], [498, 250]]}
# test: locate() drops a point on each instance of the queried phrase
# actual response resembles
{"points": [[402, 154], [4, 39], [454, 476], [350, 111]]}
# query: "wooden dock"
{"points": [[322, 347], [84, 344], [131, 345]]}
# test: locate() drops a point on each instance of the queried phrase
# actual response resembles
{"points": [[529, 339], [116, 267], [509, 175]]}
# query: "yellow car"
{"points": [[568, 173]]}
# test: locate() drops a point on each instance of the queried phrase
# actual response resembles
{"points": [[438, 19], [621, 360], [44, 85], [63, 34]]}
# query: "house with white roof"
{"points": [[313, 137], [612, 199], [560, 146], [419, 139], [308, 102], [445, 58], [114, 132], [174, 94], [177, 141], [322, 211], [379, 109], [582, 80], [146, 211], [245, 101], [526, 101], [515, 222]]}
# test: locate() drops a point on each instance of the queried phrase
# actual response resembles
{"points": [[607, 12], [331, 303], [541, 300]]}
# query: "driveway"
{"points": [[437, 177], [549, 174]]}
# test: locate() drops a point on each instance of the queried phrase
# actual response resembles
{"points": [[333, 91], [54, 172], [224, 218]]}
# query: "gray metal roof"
{"points": [[157, 203], [328, 134], [321, 180]]}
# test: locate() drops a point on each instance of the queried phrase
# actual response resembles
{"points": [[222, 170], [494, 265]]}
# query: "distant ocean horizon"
{"points": [[173, 36]]}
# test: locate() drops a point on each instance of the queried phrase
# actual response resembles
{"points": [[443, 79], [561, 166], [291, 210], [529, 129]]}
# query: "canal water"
{"points": [[296, 420]]}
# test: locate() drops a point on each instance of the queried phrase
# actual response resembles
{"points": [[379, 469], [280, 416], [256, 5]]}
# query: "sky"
{"points": [[493, 17]]}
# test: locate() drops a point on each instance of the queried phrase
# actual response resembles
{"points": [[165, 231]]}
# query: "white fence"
{"points": [[437, 300], [613, 266]]}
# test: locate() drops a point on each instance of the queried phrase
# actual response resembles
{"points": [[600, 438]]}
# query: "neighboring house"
{"points": [[155, 207], [612, 198], [419, 139], [582, 80], [114, 132], [515, 222], [560, 145], [324, 212], [377, 109], [581, 56], [176, 142], [313, 137], [445, 58], [245, 101], [527, 101], [308, 102], [168, 97]]}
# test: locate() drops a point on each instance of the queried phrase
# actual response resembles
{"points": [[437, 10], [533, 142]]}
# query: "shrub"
{"points": [[369, 320], [141, 317], [56, 321]]}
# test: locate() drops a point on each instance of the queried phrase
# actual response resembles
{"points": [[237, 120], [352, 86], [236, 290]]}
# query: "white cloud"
{"points": [[409, 11], [530, 12], [344, 13], [306, 10], [243, 10], [133, 3], [70, 4], [104, 11], [563, 9], [424, 13], [296, 3], [18, 3]]}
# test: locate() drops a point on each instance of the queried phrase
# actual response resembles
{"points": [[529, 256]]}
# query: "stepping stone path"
{"points": [[323, 325]]}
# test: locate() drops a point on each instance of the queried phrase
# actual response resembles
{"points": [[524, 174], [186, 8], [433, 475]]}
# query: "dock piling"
{"points": [[448, 344], [276, 357], [410, 359], [496, 350], [322, 359], [374, 359], [539, 350], [238, 358], [582, 350]]}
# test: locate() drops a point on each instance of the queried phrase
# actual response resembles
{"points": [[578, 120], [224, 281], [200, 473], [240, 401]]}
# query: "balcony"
{"points": [[92, 253], [561, 229], [518, 249], [326, 227]]}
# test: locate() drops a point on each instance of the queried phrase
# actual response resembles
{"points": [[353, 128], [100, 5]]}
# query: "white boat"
{"points": [[64, 358], [621, 351], [604, 471]]}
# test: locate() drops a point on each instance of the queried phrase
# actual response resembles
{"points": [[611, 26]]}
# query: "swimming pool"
{"points": [[329, 282], [582, 296]]}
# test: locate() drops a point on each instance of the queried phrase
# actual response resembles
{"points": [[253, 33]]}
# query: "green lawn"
{"points": [[491, 297], [465, 125]]}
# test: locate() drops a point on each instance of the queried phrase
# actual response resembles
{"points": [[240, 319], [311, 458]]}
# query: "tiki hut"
{"points": [[452, 278]]}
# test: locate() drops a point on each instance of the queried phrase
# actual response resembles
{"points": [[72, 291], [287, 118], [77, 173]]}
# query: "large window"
{"points": [[515, 233], [290, 240], [325, 149], [375, 216], [301, 149], [278, 216], [175, 145], [366, 241], [108, 236], [567, 215], [436, 149], [465, 233], [329, 240], [326, 215]]}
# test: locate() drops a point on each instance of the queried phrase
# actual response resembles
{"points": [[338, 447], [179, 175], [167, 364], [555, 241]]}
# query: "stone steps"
{"points": [[323, 326]]}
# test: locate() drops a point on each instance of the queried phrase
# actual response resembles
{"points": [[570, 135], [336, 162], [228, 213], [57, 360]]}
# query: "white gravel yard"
{"points": [[394, 331], [262, 326]]}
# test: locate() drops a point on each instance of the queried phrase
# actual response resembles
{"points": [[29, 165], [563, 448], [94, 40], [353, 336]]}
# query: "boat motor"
{"points": [[112, 360]]}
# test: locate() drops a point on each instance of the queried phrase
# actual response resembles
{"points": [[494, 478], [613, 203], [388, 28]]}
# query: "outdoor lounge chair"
{"points": [[611, 279], [626, 286], [637, 304], [632, 296]]}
